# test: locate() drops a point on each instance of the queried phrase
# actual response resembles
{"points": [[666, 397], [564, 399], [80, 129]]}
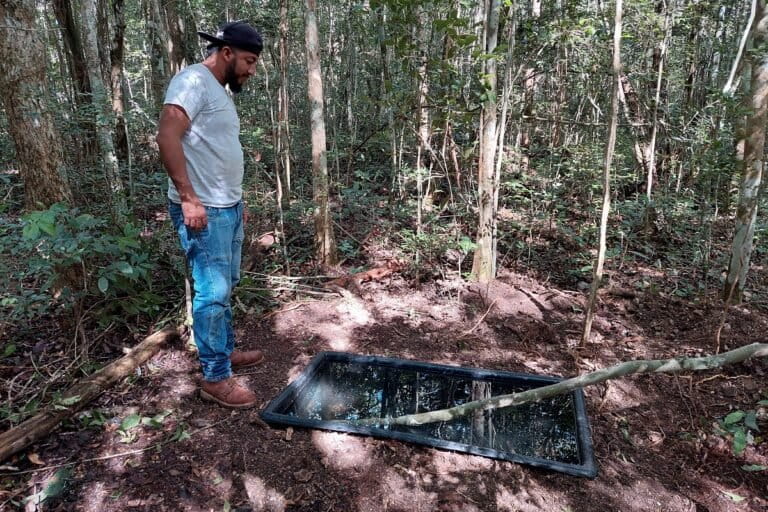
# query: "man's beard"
{"points": [[230, 78]]}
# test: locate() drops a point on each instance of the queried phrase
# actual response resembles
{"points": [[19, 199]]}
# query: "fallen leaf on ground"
{"points": [[35, 459], [303, 475]]}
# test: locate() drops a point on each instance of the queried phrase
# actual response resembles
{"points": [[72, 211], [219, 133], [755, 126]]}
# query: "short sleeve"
{"points": [[186, 90]]}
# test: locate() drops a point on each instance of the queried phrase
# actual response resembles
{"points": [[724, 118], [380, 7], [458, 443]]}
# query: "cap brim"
{"points": [[209, 37]]}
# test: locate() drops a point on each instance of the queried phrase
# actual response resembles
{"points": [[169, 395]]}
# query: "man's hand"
{"points": [[246, 214], [194, 214]]}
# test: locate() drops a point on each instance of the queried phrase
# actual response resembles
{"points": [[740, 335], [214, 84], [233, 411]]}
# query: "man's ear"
{"points": [[227, 52]]}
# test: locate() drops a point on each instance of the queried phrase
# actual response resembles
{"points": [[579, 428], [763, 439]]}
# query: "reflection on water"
{"points": [[349, 391]]}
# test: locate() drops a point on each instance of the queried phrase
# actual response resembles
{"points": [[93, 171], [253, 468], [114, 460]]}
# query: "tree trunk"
{"points": [[177, 50], [158, 58], [423, 113], [116, 55], [531, 84], [746, 212], [385, 53], [609, 147], [102, 109], [26, 102], [484, 264], [283, 120], [325, 244], [104, 42], [659, 55], [71, 36], [65, 17]]}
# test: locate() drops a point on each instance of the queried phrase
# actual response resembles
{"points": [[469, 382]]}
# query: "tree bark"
{"points": [[116, 57], [104, 42], [609, 148], [38, 426], [65, 17], [103, 110], [660, 55], [176, 44], [283, 119], [620, 370], [423, 130], [26, 102], [746, 212], [76, 58], [325, 243], [484, 263], [158, 58]]}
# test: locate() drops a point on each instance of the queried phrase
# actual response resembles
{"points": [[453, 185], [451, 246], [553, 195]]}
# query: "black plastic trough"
{"points": [[336, 386]]}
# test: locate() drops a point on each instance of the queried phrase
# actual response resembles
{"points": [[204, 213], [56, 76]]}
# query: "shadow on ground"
{"points": [[648, 431]]}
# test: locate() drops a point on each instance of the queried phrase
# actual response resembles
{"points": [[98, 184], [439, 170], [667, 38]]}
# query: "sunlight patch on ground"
{"points": [[644, 494], [301, 361], [449, 466], [95, 498], [541, 367], [356, 311], [181, 384], [399, 492], [528, 497], [510, 302], [337, 336], [335, 323], [342, 451], [623, 395], [261, 497]]}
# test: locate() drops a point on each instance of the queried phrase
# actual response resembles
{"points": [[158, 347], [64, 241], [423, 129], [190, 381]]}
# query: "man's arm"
{"points": [[173, 124]]}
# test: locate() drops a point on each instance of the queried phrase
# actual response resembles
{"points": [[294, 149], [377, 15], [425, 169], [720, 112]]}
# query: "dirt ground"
{"points": [[653, 435]]}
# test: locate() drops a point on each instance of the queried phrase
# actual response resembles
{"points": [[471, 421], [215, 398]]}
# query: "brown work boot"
{"points": [[244, 359], [228, 393]]}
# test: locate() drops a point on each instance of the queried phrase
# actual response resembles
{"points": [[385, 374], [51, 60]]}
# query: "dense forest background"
{"points": [[408, 92], [462, 138]]}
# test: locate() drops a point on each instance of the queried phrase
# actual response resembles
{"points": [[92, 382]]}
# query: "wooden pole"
{"points": [[626, 368]]}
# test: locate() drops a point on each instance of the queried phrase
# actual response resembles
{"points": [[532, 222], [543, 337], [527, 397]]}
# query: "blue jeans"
{"points": [[213, 254]]}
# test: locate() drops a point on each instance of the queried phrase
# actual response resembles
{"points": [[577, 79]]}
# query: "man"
{"points": [[199, 140]]}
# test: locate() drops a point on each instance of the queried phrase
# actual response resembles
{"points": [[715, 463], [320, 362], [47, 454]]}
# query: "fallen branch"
{"points": [[627, 368], [75, 398], [155, 446], [353, 282]]}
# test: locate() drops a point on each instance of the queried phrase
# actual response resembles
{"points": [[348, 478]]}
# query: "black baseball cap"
{"points": [[238, 34]]}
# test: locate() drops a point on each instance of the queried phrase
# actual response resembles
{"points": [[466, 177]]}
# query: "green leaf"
{"points": [[739, 441], [181, 434], [48, 227], [124, 267], [10, 349], [157, 420], [130, 422], [754, 467], [227, 506], [103, 284], [734, 497], [750, 421], [70, 400], [55, 485], [30, 231], [734, 417], [762, 402]]}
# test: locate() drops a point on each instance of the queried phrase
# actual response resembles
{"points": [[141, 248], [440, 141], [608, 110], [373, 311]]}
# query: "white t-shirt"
{"points": [[212, 143]]}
